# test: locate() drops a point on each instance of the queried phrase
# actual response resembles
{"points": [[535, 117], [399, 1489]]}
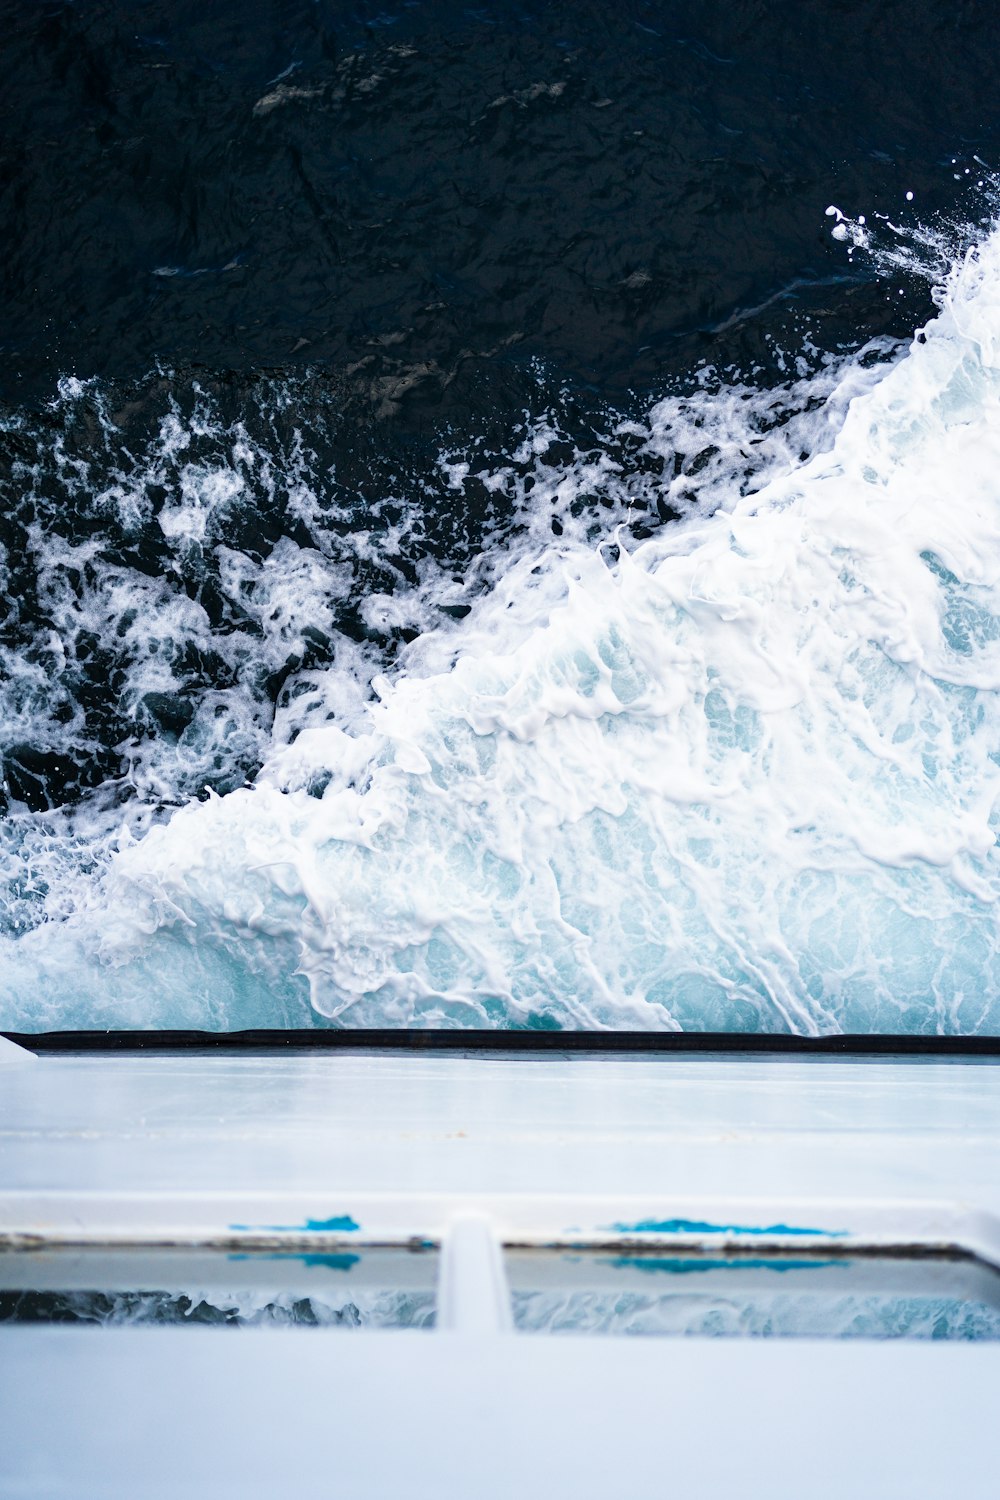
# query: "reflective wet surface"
{"points": [[205, 1289], [840, 1297]]}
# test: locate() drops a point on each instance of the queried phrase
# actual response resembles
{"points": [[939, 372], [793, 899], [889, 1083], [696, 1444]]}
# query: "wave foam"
{"points": [[741, 775]]}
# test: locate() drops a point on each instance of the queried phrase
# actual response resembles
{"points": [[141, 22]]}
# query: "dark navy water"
{"points": [[420, 199], [284, 287], [420, 220]]}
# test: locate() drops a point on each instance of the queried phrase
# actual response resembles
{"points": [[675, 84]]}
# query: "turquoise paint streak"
{"points": [[342, 1262], [339, 1224], [675, 1265], [701, 1226]]}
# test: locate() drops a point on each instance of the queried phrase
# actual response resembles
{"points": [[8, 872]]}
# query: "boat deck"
{"points": [[330, 1153]]}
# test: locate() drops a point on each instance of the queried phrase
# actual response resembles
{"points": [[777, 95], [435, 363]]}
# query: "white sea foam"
{"points": [[740, 775]]}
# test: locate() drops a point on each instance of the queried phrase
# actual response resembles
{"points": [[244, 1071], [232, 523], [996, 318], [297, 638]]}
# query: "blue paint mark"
{"points": [[700, 1226], [676, 1265], [342, 1262], [330, 1262], [339, 1224]]}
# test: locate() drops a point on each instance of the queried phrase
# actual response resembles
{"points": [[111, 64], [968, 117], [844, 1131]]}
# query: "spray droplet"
{"points": [[909, 197]]}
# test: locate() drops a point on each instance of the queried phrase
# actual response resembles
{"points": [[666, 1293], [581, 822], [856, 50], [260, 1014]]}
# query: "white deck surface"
{"points": [[558, 1147], [521, 1150]]}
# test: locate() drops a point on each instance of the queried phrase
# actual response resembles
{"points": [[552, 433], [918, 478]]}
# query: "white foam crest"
{"points": [[190, 697], [694, 454], [929, 250], [741, 775]]}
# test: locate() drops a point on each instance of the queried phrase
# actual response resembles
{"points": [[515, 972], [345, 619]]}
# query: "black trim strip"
{"points": [[400, 1040]]}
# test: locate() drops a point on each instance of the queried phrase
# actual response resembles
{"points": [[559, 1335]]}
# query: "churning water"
{"points": [[544, 703]]}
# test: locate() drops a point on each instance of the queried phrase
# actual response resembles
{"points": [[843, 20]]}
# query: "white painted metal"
{"points": [[473, 1296], [566, 1149], [346, 1149], [160, 1413], [13, 1056]]}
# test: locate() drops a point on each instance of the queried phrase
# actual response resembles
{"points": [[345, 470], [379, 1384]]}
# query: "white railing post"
{"points": [[473, 1296]]}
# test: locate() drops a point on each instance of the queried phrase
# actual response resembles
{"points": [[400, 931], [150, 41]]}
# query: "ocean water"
{"points": [[501, 520], [193, 1308], [199, 1290], [754, 1296]]}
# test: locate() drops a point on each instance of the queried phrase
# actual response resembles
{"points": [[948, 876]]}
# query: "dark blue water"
{"points": [[269, 273], [425, 218], [432, 194]]}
